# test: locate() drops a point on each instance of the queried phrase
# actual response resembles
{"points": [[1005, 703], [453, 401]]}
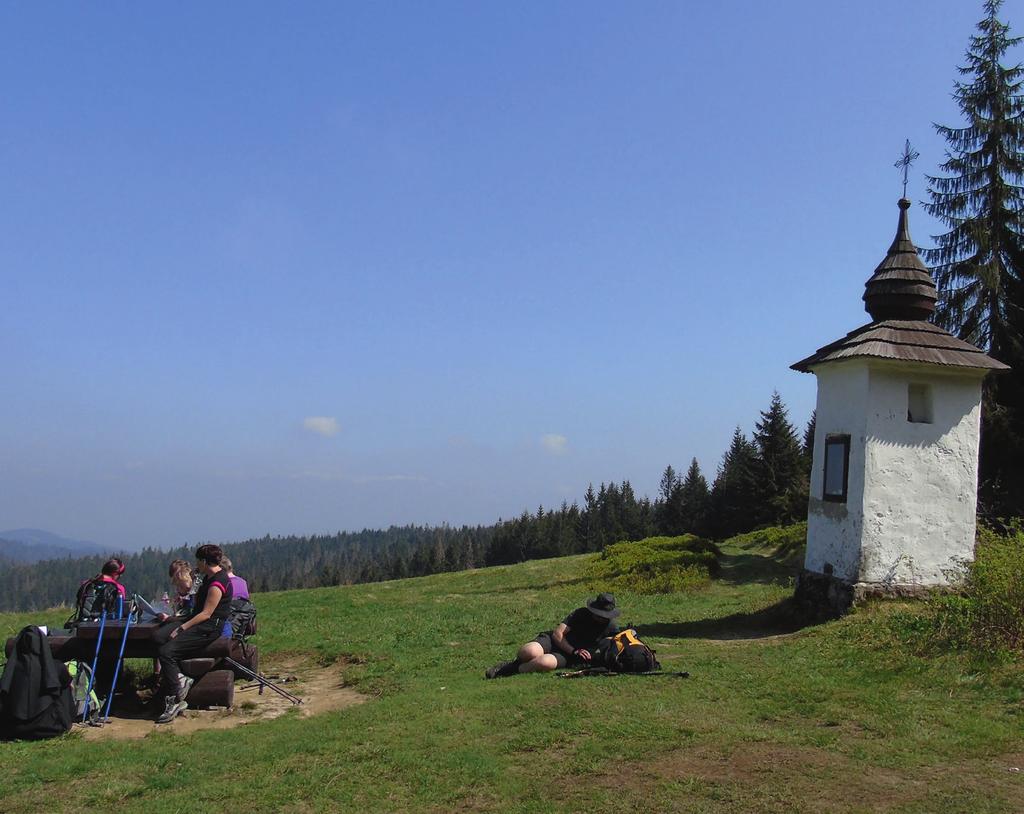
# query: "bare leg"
{"points": [[544, 663], [529, 652]]}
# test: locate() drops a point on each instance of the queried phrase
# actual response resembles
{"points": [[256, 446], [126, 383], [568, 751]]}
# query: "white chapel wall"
{"points": [[921, 479], [834, 529]]}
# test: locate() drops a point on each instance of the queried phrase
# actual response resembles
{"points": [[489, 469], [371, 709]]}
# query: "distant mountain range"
{"points": [[33, 545]]}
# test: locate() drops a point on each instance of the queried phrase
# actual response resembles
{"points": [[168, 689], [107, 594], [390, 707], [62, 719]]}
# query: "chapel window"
{"points": [[837, 467], [919, 404]]}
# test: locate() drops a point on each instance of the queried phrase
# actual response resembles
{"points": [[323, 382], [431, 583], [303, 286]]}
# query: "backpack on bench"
{"points": [[95, 596], [242, 618]]}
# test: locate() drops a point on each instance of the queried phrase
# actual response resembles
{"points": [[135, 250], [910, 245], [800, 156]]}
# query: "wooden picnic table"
{"points": [[214, 679]]}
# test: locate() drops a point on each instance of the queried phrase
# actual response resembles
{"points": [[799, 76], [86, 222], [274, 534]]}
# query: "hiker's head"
{"points": [[181, 576], [112, 568], [208, 557], [603, 606], [225, 563]]}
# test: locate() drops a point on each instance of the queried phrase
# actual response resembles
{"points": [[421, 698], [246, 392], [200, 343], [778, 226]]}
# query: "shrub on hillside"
{"points": [[985, 617], [655, 565], [784, 542], [988, 613]]}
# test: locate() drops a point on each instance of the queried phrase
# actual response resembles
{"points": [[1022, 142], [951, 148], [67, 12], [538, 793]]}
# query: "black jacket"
{"points": [[35, 691]]}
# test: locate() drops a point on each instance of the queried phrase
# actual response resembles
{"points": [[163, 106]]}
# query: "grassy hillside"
{"points": [[773, 718]]}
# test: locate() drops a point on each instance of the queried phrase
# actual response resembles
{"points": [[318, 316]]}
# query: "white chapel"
{"points": [[894, 479]]}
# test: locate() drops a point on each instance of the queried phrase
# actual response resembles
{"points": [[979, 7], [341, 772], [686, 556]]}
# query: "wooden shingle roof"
{"points": [[901, 287], [905, 341], [900, 297]]}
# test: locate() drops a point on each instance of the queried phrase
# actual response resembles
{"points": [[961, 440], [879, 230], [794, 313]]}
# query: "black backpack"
{"points": [[625, 653], [95, 596], [242, 618]]}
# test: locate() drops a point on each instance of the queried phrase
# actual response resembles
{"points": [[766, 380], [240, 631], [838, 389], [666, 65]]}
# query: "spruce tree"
{"points": [[668, 507], [808, 445], [734, 494], [978, 264], [694, 497], [781, 480], [668, 483]]}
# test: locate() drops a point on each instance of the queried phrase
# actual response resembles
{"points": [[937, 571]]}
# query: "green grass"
{"points": [[774, 718]]}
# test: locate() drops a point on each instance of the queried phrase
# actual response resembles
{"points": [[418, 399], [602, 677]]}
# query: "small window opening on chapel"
{"points": [[837, 467], [919, 404]]}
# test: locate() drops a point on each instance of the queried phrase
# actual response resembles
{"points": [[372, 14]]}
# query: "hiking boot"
{"points": [[503, 669], [172, 709]]}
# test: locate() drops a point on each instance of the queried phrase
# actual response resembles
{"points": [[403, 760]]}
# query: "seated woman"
{"points": [[238, 585], [102, 594], [195, 633], [572, 642], [111, 572], [180, 603], [180, 573]]}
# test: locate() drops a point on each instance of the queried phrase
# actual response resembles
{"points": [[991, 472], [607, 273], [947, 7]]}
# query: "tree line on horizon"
{"points": [[761, 481]]}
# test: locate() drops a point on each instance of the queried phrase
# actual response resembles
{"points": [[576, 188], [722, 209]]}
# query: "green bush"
{"points": [[984, 618], [656, 565], [989, 611], [784, 542]]}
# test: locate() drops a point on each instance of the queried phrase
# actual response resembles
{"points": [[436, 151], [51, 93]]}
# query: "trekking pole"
{"points": [[263, 681], [120, 660], [602, 671], [95, 661]]}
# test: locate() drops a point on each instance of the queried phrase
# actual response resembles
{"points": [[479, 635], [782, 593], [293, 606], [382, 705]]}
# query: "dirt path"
{"points": [[320, 688]]}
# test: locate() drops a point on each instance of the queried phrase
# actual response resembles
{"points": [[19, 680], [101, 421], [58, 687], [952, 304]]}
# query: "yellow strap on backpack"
{"points": [[625, 639]]}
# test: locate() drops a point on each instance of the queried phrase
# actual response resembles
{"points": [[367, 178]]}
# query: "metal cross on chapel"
{"points": [[908, 158]]}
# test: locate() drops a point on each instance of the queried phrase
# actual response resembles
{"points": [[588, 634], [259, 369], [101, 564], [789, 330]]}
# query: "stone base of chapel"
{"points": [[828, 595]]}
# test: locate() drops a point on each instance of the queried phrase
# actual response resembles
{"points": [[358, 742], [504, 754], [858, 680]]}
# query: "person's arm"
{"points": [[212, 599], [558, 637]]}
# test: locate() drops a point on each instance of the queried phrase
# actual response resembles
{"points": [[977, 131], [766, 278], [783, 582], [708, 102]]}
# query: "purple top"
{"points": [[239, 587]]}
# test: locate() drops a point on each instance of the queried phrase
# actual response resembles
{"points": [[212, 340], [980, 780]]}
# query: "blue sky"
{"points": [[293, 269]]}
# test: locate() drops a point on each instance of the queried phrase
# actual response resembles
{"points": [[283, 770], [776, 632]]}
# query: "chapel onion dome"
{"points": [[901, 287]]}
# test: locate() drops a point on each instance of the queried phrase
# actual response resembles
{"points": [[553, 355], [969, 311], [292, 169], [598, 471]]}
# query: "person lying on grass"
{"points": [[572, 642]]}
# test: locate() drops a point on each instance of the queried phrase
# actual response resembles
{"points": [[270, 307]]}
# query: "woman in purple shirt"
{"points": [[239, 587]]}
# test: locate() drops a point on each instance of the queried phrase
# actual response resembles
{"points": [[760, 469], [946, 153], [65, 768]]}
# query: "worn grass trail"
{"points": [[775, 718]]}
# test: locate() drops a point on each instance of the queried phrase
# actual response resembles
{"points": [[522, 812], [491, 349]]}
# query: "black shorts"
{"points": [[544, 640]]}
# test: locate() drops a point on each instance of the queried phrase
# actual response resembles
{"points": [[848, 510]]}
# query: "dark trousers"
{"points": [[173, 651]]}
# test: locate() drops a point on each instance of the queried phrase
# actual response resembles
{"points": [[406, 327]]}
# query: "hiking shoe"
{"points": [[172, 709], [502, 669]]}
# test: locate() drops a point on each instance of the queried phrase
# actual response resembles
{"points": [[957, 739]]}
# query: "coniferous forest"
{"points": [[761, 481]]}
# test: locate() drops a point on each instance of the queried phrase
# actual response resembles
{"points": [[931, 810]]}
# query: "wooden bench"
{"points": [[214, 679]]}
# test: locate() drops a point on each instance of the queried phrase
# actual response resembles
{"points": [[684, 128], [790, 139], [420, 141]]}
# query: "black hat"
{"points": [[603, 605]]}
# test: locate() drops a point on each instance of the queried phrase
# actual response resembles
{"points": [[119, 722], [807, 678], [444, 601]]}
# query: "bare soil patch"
{"points": [[321, 689]]}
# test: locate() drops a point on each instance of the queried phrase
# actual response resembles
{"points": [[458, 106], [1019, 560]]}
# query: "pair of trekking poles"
{"points": [[262, 681], [133, 611]]}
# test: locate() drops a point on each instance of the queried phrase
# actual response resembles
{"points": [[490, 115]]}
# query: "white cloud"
{"points": [[554, 443], [322, 425]]}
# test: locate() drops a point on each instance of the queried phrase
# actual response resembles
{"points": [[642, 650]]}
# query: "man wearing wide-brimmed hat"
{"points": [[572, 642]]}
